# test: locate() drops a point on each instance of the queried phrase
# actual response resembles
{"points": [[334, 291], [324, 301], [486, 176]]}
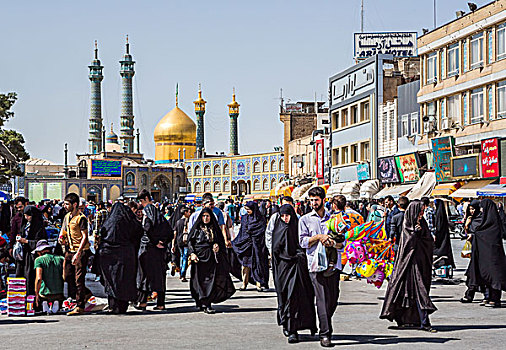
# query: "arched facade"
{"points": [[161, 189]]}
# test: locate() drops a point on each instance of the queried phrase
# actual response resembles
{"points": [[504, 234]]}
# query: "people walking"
{"points": [[210, 281], [407, 300], [180, 240], [116, 257], [442, 244], [294, 290]]}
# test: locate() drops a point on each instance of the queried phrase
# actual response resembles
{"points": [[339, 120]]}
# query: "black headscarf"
{"points": [[502, 215], [254, 222], [157, 228], [176, 215], [211, 225], [36, 224], [285, 238], [121, 226]]}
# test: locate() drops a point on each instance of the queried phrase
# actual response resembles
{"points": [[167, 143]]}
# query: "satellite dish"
{"points": [[425, 119]]}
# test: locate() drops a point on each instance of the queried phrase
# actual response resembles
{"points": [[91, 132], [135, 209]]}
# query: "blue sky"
{"points": [[257, 47]]}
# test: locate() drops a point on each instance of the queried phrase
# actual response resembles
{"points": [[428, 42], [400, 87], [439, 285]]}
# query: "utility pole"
{"points": [[362, 17], [434, 14], [281, 100]]}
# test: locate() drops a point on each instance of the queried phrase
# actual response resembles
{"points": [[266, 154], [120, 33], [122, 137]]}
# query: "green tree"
{"points": [[12, 139]]}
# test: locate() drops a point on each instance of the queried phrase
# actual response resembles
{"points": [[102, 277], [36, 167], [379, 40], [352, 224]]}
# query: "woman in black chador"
{"points": [[32, 231], [117, 257], [442, 244], [291, 277], [210, 272], [487, 268], [249, 246], [407, 298]]}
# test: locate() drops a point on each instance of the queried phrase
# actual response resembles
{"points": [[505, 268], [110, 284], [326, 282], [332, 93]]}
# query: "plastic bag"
{"points": [[466, 250], [319, 262], [17, 251]]}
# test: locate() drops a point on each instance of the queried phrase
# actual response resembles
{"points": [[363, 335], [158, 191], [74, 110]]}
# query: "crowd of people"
{"points": [[131, 246]]}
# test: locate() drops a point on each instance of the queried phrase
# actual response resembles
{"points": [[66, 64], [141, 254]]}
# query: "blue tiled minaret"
{"points": [[233, 112], [127, 113], [95, 127], [200, 110]]}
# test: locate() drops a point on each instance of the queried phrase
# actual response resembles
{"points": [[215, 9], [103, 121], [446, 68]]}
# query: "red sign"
{"points": [[490, 158], [319, 159]]}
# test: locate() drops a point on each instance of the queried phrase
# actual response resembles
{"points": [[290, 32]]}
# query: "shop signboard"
{"points": [[353, 84], [363, 172], [442, 149], [387, 170], [398, 44], [35, 191], [467, 166], [490, 158], [319, 159], [408, 167], [502, 154], [54, 190], [105, 168]]}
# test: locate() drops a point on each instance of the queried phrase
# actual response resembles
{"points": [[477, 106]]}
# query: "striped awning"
{"points": [[470, 189], [299, 191], [446, 189], [498, 190]]}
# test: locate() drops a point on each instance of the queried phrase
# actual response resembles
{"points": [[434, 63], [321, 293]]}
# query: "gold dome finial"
{"points": [[233, 107], [177, 93], [112, 128], [200, 103], [96, 50]]}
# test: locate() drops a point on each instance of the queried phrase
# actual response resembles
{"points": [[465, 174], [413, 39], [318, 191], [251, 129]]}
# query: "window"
{"points": [[130, 179], [404, 125], [453, 104], [198, 171], [335, 120], [365, 111], [431, 68], [453, 60], [197, 188], [207, 186], [501, 41], [364, 150], [265, 185], [207, 171], [265, 166], [226, 186], [354, 153], [226, 170], [477, 51], [274, 166], [273, 184], [345, 155], [414, 124], [335, 156], [344, 118], [501, 99], [256, 185], [189, 171], [217, 170], [256, 167], [144, 180], [354, 114], [281, 165], [476, 106], [216, 186]]}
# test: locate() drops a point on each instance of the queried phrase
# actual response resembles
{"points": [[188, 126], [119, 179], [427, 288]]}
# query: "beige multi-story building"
{"points": [[463, 81]]}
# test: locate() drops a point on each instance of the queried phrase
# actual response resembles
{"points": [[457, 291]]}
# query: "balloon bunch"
{"points": [[368, 250]]}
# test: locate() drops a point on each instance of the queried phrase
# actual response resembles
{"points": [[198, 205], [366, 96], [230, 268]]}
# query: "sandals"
{"points": [[428, 329], [159, 308], [141, 307]]}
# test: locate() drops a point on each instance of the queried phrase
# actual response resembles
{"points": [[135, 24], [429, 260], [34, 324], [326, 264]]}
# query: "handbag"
{"points": [[466, 250], [319, 262], [17, 251]]}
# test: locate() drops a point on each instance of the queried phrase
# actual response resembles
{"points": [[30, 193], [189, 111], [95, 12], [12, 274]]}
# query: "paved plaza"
{"points": [[248, 321]]}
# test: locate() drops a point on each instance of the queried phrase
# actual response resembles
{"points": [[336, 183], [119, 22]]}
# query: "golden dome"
{"points": [[174, 133]]}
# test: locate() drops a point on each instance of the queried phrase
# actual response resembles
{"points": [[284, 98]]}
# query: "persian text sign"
{"points": [[354, 83], [490, 158], [442, 149], [401, 44], [105, 168], [319, 159], [387, 170], [408, 167]]}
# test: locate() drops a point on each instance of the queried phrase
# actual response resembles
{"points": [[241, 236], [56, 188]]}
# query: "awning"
{"points": [[492, 191], [369, 188], [395, 191], [351, 190], [305, 195], [470, 189], [261, 196], [423, 187], [299, 191], [445, 189], [335, 189], [285, 191], [4, 196]]}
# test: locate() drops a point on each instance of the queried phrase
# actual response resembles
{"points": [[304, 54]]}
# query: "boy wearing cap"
{"points": [[48, 278]]}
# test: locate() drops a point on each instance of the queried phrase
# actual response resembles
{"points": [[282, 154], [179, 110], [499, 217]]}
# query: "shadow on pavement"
{"points": [[356, 303], [25, 321], [252, 296], [453, 328], [385, 339], [238, 309]]}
